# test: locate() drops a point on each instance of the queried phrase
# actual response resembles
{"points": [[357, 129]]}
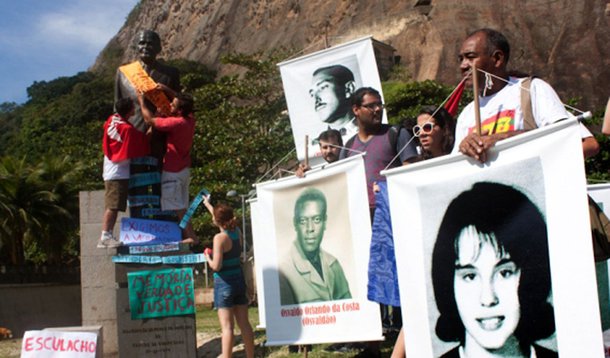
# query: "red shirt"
{"points": [[122, 140], [180, 132]]}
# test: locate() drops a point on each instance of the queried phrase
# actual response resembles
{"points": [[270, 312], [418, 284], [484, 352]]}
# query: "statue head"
{"points": [[149, 46]]}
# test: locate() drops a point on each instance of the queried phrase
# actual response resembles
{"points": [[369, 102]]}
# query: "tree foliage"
{"points": [[405, 99], [35, 207], [242, 129]]}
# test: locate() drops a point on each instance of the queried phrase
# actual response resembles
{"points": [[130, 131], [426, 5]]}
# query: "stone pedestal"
{"points": [[105, 299], [98, 287], [153, 337]]}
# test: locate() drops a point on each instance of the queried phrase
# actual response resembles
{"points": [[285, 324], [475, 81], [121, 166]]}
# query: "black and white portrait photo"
{"points": [[495, 259], [315, 254], [318, 88], [315, 233], [308, 273], [491, 274]]}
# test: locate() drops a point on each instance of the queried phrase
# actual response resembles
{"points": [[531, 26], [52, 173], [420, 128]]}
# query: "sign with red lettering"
{"points": [[324, 216], [161, 293], [136, 232], [40, 344]]}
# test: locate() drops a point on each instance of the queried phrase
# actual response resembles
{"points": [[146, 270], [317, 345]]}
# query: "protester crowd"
{"points": [[507, 105]]}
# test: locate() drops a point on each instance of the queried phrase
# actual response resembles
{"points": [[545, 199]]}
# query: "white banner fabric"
{"points": [[314, 103], [300, 307], [258, 244], [545, 165]]}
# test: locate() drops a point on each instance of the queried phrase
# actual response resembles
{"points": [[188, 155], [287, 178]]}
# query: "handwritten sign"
{"points": [[133, 250], [149, 232], [191, 210], [137, 259], [40, 344], [161, 293], [153, 260]]}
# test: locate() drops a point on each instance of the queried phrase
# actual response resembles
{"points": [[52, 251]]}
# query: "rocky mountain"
{"points": [[566, 42]]}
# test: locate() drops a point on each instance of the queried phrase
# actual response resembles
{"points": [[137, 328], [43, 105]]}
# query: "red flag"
{"points": [[454, 100]]}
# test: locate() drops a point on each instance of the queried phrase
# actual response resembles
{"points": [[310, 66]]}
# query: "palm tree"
{"points": [[27, 208], [60, 175]]}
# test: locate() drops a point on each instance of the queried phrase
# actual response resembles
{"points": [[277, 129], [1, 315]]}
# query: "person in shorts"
{"points": [[175, 177], [230, 297], [121, 142]]}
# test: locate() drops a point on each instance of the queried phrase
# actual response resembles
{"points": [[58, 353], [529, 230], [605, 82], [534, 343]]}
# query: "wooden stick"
{"points": [[306, 151], [475, 90]]}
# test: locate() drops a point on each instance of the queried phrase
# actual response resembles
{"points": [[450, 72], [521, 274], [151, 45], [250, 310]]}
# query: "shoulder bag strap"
{"points": [[526, 105]]}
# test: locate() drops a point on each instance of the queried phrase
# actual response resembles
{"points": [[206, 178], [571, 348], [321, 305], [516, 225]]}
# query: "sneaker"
{"points": [[107, 240]]}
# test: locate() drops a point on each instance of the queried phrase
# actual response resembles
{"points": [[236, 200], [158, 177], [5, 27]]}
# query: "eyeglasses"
{"points": [[304, 221], [425, 128], [373, 106]]}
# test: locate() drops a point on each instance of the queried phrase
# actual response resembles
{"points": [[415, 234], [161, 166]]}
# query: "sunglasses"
{"points": [[425, 128]]}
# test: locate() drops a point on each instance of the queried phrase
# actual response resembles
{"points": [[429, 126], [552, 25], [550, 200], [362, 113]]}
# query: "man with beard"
{"points": [[330, 147], [386, 147], [381, 142]]}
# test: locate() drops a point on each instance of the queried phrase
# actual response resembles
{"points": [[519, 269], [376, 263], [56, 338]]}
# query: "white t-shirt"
{"points": [[115, 171], [501, 112]]}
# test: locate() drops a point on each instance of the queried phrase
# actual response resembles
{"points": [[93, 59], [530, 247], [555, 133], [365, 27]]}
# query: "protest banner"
{"points": [[528, 205], [161, 293], [317, 87], [258, 243], [324, 216], [138, 232], [43, 344]]}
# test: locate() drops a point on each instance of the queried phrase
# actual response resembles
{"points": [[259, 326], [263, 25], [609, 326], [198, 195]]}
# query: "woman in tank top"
{"points": [[229, 285]]}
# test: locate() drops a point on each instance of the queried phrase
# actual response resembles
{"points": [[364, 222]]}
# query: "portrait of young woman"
{"points": [[491, 275]]}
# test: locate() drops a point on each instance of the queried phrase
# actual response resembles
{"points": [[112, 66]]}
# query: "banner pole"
{"points": [[306, 151], [475, 90]]}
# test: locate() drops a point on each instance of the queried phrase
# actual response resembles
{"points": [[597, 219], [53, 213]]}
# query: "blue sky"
{"points": [[41, 40]]}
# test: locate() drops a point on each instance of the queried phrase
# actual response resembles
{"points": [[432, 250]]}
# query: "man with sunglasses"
{"points": [[503, 112]]}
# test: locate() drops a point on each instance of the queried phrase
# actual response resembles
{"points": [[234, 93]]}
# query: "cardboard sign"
{"points": [[161, 293], [39, 344], [149, 232]]}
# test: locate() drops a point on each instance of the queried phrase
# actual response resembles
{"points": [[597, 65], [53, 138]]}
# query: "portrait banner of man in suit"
{"points": [[318, 90], [316, 234]]}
